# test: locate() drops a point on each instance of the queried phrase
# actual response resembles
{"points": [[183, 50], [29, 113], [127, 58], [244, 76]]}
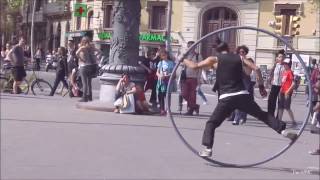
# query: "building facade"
{"points": [[51, 22], [192, 19], [98, 23], [297, 22]]}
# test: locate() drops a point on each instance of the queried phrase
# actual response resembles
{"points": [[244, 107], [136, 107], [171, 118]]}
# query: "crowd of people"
{"points": [[237, 75]]}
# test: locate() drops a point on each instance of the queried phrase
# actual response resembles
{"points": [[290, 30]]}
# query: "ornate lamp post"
{"points": [[124, 52]]}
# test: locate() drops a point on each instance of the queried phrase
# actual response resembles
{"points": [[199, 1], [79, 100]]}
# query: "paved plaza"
{"points": [[48, 138]]}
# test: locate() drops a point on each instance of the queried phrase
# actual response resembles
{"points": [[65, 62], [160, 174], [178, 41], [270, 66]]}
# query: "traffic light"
{"points": [[279, 25], [294, 25]]}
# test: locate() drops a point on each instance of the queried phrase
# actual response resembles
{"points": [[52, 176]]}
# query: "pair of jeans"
{"points": [[201, 94], [272, 100], [87, 72], [189, 92], [244, 103]]}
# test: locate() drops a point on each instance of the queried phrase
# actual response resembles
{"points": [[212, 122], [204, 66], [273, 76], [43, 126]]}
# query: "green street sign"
{"points": [[142, 37], [80, 10]]}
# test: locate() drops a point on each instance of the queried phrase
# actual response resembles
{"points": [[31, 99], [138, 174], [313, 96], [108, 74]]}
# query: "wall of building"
{"points": [[247, 16], [307, 42]]}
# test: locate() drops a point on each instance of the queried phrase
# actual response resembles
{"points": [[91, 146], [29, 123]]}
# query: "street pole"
{"points": [[124, 54], [32, 27], [168, 31]]}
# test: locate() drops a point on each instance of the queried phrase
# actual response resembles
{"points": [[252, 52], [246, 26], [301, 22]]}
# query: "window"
{"points": [[158, 17], [107, 16], [90, 19], [78, 26]]}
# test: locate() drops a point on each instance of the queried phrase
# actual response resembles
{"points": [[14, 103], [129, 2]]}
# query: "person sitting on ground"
{"points": [[142, 104], [75, 83], [124, 95]]}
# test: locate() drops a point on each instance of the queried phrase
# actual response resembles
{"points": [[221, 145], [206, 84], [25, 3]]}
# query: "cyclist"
{"points": [[16, 56]]}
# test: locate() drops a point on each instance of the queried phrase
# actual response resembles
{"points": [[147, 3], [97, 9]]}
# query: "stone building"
{"points": [[51, 22], [306, 41], [192, 19]]}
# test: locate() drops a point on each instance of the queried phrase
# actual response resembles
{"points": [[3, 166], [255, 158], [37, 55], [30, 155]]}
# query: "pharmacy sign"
{"points": [[80, 10]]}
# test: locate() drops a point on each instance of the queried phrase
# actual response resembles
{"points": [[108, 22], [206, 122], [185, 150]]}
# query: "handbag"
{"points": [[125, 101]]}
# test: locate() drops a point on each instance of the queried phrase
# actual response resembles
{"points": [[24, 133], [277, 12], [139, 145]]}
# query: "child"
{"points": [[165, 68], [286, 92], [61, 70]]}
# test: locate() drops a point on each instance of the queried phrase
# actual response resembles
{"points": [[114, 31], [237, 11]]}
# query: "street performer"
{"points": [[233, 94]]}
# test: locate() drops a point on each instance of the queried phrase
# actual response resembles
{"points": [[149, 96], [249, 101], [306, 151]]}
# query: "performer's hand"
{"points": [[262, 91]]}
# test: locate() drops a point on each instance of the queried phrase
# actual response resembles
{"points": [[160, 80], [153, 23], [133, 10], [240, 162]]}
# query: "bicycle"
{"points": [[38, 85]]}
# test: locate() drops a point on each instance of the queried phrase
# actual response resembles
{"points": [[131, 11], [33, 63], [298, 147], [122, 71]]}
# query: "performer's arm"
{"points": [[208, 62]]}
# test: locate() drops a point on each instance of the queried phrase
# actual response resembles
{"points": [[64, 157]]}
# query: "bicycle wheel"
{"points": [[24, 87], [41, 87], [3, 83]]}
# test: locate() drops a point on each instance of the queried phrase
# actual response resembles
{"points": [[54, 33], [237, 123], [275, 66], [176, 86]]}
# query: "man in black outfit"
{"points": [[233, 95]]}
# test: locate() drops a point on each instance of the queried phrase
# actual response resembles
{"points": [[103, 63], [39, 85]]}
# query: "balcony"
{"points": [[56, 8], [38, 16]]}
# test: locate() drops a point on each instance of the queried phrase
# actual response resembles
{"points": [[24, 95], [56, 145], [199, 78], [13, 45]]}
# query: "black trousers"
{"points": [[272, 99], [153, 97], [243, 103], [59, 77]]}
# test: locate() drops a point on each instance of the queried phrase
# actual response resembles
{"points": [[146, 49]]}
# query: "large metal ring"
{"points": [[168, 102]]}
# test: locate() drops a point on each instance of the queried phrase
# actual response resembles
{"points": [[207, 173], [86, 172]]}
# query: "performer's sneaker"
{"points": [[290, 135], [206, 153]]}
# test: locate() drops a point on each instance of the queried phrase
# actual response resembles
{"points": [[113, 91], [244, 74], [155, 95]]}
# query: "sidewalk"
{"points": [[48, 138]]}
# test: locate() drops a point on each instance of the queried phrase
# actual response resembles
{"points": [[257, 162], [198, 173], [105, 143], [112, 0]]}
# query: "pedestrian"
{"points": [[37, 57], [3, 54], [16, 56], [276, 81], [316, 116], [313, 79], [202, 79], [150, 64], [232, 94], [164, 71], [240, 116], [286, 90], [62, 70], [189, 82], [87, 67]]}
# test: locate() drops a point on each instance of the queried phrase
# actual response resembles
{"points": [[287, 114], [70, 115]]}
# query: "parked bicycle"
{"points": [[38, 86]]}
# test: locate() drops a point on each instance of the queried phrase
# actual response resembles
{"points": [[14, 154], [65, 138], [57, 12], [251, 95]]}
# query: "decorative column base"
{"points": [[109, 79]]}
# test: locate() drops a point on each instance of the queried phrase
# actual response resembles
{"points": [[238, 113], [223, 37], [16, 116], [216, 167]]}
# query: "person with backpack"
{"points": [[189, 81]]}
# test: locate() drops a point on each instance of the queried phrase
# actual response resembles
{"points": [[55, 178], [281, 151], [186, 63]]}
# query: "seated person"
{"points": [[124, 100], [142, 104], [75, 83]]}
